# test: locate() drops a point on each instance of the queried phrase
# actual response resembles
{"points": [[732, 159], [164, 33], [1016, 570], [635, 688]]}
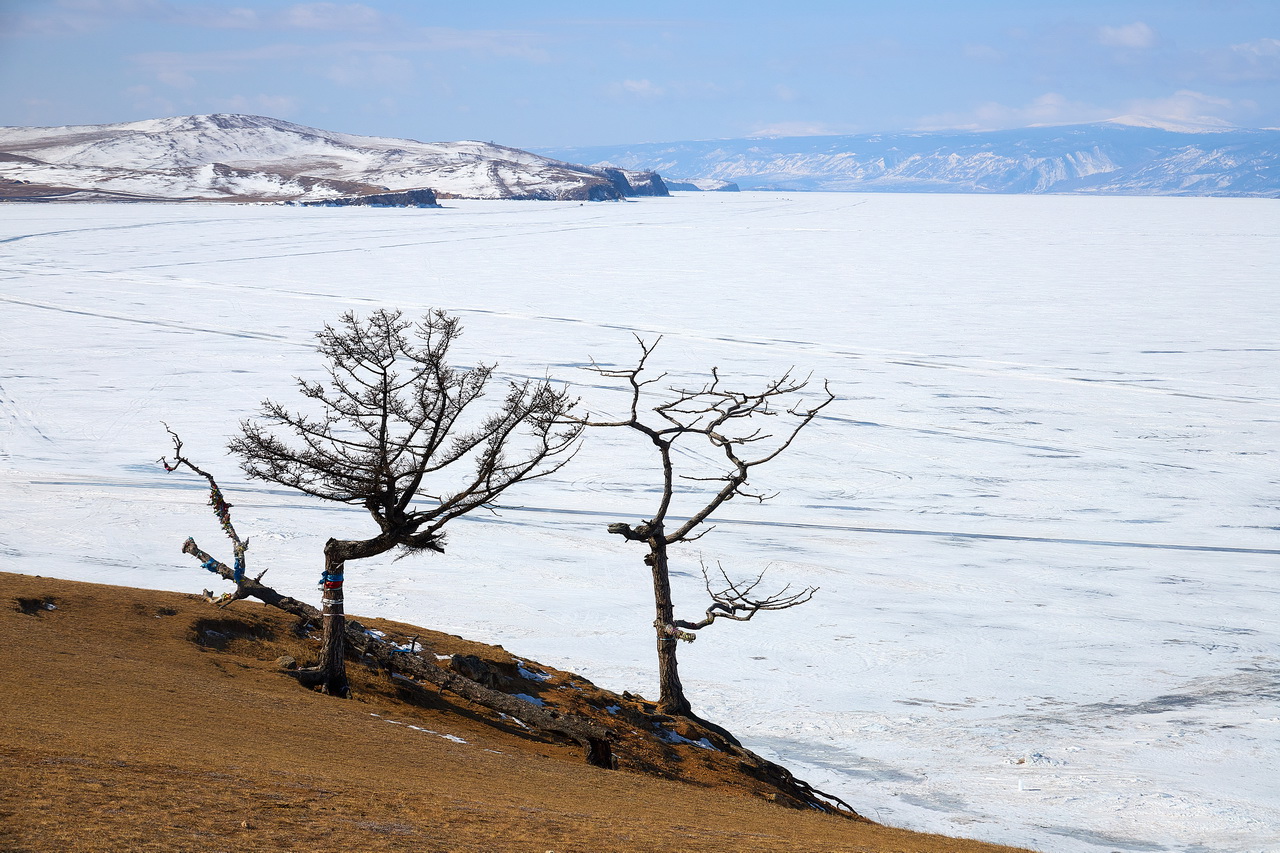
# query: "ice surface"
{"points": [[1043, 512]]}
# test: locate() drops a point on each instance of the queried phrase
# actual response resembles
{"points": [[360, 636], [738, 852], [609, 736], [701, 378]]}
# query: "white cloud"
{"points": [[376, 70], [982, 53], [347, 60], [275, 106], [785, 93], [645, 89], [331, 16], [1254, 61], [217, 18], [1184, 107], [1192, 108], [1049, 108], [1268, 48], [1135, 35], [73, 17], [147, 102], [637, 88], [175, 78], [794, 128], [169, 66]]}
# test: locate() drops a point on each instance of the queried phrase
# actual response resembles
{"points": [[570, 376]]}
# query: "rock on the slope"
{"points": [[644, 183], [702, 185], [408, 198]]}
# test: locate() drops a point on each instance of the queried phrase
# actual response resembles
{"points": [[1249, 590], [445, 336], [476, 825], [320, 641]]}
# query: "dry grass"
{"points": [[133, 720]]}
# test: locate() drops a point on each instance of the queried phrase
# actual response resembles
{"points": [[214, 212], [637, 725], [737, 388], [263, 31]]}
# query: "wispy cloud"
{"points": [[72, 18], [381, 70], [167, 66], [785, 93], [982, 53], [1182, 107], [1049, 108], [331, 16], [219, 18], [1251, 62], [1191, 107], [637, 88], [349, 62], [76, 17], [277, 106], [644, 89], [795, 128], [1135, 36], [145, 100]]}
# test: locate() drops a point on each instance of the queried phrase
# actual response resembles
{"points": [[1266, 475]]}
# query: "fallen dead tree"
{"points": [[595, 739]]}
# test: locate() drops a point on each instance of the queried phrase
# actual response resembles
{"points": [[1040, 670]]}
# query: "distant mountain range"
{"points": [[252, 158], [1123, 156]]}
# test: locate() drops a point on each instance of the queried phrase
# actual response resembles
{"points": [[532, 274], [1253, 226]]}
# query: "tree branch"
{"points": [[221, 508], [736, 602]]}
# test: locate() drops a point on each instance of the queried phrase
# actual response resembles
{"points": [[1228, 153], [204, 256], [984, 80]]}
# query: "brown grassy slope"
{"points": [[126, 725]]}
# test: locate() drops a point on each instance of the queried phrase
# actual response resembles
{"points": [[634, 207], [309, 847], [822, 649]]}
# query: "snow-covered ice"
{"points": [[1043, 513]]}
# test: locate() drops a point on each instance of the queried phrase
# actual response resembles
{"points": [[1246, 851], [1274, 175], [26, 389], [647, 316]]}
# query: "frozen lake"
{"points": [[1044, 511]]}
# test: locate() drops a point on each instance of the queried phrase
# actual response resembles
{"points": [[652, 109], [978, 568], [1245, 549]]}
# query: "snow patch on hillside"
{"points": [[239, 157]]}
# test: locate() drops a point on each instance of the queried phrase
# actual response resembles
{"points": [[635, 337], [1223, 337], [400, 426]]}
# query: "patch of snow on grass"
{"points": [[529, 674], [672, 737]]}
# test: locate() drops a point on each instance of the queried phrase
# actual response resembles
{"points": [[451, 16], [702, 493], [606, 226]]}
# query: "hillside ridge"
{"points": [[231, 157], [150, 720]]}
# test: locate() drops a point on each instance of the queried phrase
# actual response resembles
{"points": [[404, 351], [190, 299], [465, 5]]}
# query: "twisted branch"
{"points": [[221, 509], [722, 417], [735, 601]]}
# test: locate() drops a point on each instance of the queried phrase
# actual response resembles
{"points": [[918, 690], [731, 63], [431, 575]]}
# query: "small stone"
{"points": [[244, 824], [286, 662]]}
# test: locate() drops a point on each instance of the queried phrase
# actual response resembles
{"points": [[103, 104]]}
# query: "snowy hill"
{"points": [[252, 158], [1118, 157]]}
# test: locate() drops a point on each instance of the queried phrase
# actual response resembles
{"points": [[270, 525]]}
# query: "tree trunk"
{"points": [[595, 738], [671, 699], [333, 662]]}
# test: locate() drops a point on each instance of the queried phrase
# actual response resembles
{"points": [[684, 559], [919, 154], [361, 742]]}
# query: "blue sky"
{"points": [[553, 73]]}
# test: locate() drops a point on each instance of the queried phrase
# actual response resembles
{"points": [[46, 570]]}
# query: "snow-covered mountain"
{"points": [[1123, 156], [253, 158]]}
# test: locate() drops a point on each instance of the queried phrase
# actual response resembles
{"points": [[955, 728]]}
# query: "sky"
{"points": [[557, 73]]}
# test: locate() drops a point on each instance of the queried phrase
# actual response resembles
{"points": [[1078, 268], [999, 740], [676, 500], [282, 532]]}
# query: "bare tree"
{"points": [[731, 422], [391, 423], [596, 739]]}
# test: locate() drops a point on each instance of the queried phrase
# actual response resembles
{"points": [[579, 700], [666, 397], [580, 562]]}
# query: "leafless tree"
{"points": [[733, 424], [596, 739], [394, 432]]}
